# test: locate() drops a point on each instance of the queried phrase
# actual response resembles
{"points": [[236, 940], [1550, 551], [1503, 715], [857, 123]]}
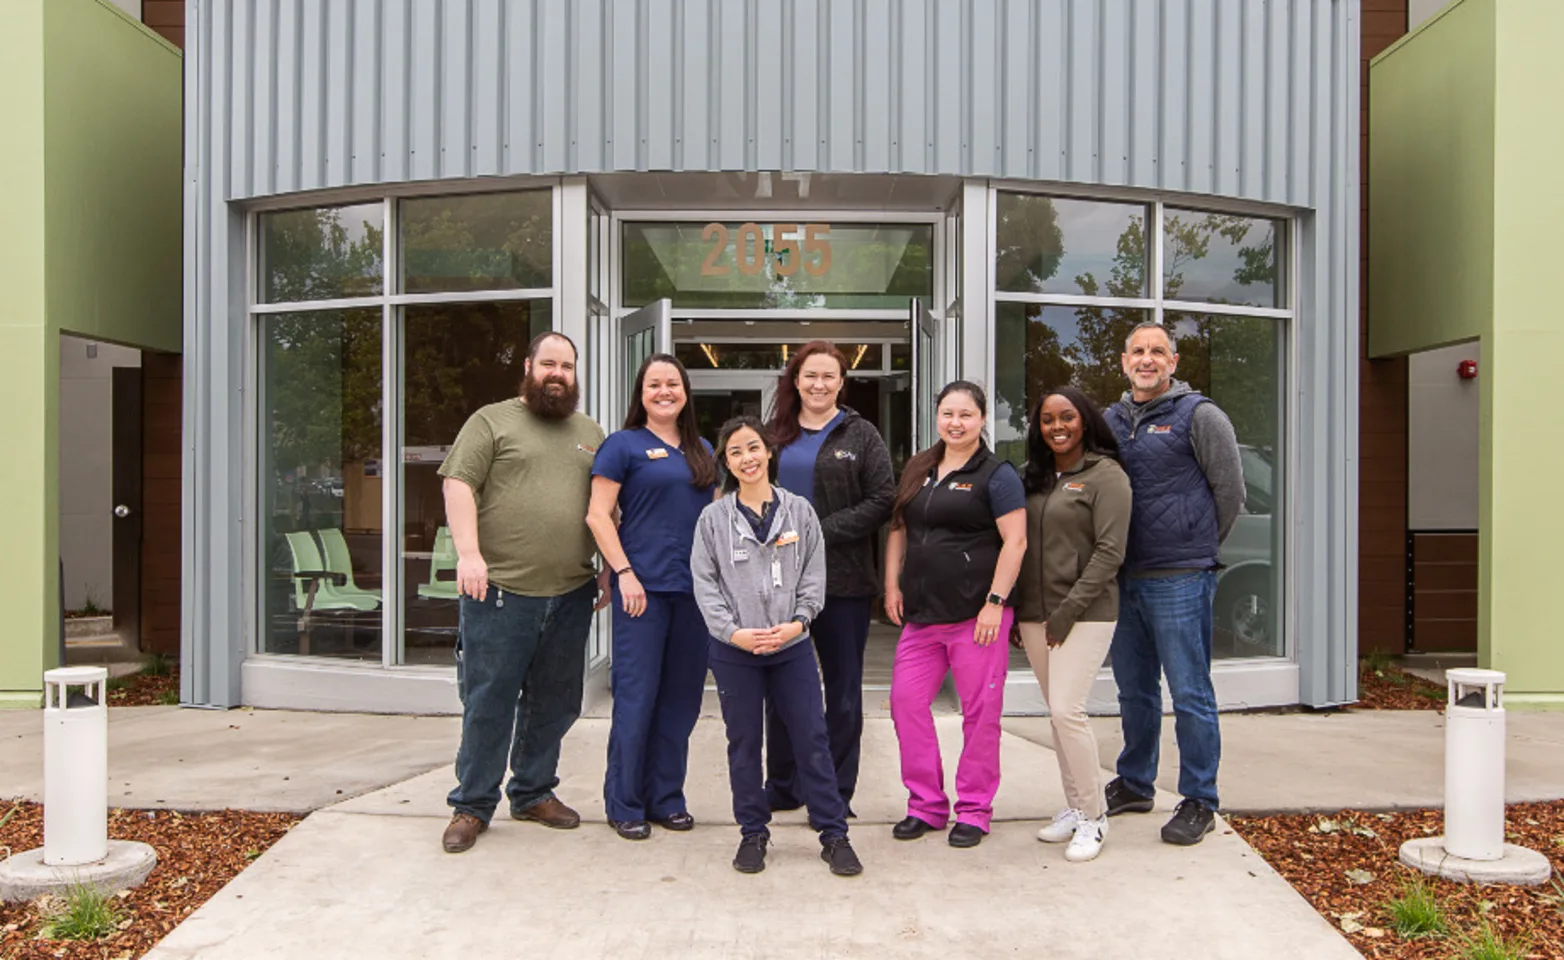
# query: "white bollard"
{"points": [[1474, 765], [75, 768]]}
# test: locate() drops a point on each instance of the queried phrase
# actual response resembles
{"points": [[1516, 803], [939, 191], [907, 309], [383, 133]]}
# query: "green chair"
{"points": [[338, 560], [316, 587], [443, 557]]}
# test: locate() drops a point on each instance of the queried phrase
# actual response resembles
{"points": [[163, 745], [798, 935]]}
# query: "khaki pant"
{"points": [[1066, 674]]}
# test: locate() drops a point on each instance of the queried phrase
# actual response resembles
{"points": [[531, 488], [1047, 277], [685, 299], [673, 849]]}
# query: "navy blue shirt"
{"points": [[796, 465], [658, 506], [1006, 492]]}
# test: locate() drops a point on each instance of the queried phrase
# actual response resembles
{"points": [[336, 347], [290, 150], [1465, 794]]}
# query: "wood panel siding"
{"points": [[167, 17], [1382, 414], [162, 387], [1444, 591]]}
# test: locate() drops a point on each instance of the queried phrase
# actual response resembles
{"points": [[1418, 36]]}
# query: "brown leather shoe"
{"points": [[462, 832], [551, 813]]}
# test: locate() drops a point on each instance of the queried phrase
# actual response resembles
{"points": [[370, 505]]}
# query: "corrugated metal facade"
{"points": [[1217, 97], [1246, 99]]}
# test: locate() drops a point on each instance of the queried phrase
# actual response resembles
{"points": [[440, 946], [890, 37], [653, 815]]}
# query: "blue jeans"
{"points": [[520, 664], [1165, 628]]}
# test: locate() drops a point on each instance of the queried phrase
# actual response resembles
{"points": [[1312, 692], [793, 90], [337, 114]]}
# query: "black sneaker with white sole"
{"points": [[751, 857], [1192, 820], [1121, 799]]}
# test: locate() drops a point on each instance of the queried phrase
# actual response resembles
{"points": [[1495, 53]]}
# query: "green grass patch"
{"points": [[168, 698], [1486, 943], [157, 665], [1416, 913], [84, 913], [119, 683]]}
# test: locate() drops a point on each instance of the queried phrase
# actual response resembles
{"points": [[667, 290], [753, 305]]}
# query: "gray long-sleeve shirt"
{"points": [[744, 583]]}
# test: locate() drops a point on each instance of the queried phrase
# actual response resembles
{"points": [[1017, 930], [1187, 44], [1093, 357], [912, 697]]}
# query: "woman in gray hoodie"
{"points": [[759, 572]]}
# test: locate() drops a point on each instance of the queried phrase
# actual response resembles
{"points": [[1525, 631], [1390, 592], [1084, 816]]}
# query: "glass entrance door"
{"points": [[647, 331], [924, 334]]}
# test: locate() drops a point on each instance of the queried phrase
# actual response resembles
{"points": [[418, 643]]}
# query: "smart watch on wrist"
{"points": [[996, 599]]}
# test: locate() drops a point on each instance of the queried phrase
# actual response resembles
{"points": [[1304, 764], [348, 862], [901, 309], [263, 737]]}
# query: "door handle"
{"points": [[121, 511]]}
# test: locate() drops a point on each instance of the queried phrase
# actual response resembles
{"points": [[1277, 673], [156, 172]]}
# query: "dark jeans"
{"points": [[840, 633], [1165, 628], [520, 663], [657, 679], [790, 683]]}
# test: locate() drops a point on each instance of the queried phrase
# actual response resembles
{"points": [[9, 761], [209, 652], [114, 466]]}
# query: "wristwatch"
{"points": [[803, 622], [996, 599]]}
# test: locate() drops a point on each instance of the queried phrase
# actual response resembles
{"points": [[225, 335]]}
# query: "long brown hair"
{"points": [[916, 472], [703, 466], [782, 429]]}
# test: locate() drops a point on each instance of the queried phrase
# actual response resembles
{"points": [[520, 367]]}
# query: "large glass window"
{"points": [[757, 266], [455, 359], [320, 484], [324, 395], [1069, 290]]}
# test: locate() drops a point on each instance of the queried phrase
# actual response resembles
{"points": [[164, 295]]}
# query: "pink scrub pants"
{"points": [[923, 655]]}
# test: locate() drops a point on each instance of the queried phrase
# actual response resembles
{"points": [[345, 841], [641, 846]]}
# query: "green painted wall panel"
{"points": [[1431, 180], [24, 579], [112, 141], [1521, 523]]}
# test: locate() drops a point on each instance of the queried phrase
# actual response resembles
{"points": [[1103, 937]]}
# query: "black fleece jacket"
{"points": [[854, 490]]}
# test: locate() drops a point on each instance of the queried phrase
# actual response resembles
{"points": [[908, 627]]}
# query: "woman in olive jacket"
{"points": [[1077, 518]]}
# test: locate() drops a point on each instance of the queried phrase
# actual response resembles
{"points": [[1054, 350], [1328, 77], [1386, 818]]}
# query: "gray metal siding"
{"points": [[1248, 99], [1200, 96]]}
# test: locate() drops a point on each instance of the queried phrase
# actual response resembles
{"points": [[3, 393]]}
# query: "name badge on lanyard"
{"points": [[739, 553], [776, 573]]}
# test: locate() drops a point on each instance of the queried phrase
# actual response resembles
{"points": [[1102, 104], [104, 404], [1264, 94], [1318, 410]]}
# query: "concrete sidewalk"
{"points": [[367, 877]]}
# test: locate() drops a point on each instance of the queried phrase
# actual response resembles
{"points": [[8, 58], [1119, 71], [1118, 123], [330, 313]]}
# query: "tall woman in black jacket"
{"points": [[835, 459]]}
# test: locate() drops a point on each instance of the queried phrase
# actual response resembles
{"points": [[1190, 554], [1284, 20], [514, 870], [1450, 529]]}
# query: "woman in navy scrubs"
{"points": [[835, 460], [657, 475]]}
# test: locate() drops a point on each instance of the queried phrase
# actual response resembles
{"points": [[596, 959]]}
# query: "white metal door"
{"points": [[924, 334], [647, 331]]}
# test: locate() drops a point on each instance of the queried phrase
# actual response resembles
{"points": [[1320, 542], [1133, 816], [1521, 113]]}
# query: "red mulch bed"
{"points": [[1317, 861], [141, 690], [197, 854], [1384, 687]]}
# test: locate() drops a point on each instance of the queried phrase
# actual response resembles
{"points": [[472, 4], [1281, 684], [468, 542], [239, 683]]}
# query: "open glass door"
{"points": [[925, 336], [647, 331]]}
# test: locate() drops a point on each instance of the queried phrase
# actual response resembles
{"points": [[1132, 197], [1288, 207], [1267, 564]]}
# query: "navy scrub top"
{"points": [[658, 506], [796, 463]]}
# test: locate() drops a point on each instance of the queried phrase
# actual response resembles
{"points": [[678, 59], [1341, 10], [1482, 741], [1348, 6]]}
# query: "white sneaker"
{"points": [[1063, 827], [1087, 842]]}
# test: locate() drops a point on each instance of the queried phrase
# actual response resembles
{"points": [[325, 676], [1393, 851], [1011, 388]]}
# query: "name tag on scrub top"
{"points": [[657, 453], [790, 537]]}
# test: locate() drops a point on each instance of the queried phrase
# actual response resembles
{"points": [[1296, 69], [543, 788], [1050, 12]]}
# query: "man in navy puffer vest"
{"points": [[1181, 455]]}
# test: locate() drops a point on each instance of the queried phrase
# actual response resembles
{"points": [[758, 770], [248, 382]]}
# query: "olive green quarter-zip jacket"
{"points": [[1075, 536]]}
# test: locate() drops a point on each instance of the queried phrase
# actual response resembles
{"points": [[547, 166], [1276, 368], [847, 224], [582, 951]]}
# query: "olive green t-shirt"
{"points": [[532, 478]]}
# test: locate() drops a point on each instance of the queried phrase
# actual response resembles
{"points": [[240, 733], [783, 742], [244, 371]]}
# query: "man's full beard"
{"points": [[550, 406]]}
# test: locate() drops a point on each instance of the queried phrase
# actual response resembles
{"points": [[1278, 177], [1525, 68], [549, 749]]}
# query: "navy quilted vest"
{"points": [[1173, 520]]}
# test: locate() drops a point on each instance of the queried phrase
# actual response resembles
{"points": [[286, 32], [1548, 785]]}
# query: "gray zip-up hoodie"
{"points": [[742, 583]]}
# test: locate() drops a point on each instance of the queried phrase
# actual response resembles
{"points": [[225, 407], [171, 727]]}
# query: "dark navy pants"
{"points": [[520, 662], [840, 633], [657, 678], [790, 683]]}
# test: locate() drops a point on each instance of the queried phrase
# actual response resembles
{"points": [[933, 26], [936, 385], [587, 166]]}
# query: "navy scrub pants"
{"points": [[657, 678], [840, 633], [746, 685]]}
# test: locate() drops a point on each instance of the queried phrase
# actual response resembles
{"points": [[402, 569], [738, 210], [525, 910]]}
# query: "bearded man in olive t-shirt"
{"points": [[517, 482]]}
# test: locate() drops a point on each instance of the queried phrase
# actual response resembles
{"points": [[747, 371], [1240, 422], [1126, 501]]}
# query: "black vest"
{"points": [[952, 544]]}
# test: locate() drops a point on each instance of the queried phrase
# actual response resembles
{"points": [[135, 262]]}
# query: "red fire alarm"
{"points": [[1467, 369]]}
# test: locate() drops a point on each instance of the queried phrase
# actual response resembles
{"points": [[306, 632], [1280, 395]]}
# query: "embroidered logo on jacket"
{"points": [[586, 449], [1075, 487], [1155, 428], [960, 486], [790, 537], [846, 455]]}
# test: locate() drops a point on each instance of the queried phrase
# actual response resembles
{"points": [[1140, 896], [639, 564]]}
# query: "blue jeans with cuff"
{"points": [[520, 667], [1165, 628]]}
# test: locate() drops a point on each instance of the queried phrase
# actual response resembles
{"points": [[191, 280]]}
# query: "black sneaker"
{"points": [[965, 835], [839, 854], [1192, 820], [751, 857], [1121, 799], [910, 829]]}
